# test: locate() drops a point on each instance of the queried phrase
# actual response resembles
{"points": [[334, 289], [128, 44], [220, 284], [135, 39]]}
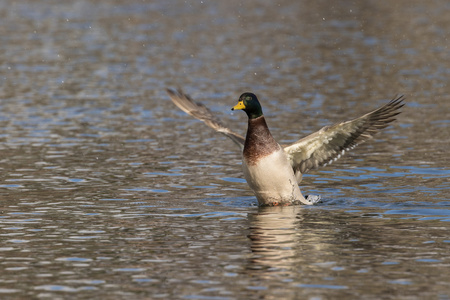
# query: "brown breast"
{"points": [[258, 142]]}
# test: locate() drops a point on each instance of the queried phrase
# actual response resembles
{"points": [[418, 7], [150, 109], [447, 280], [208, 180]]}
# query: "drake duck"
{"points": [[273, 171]]}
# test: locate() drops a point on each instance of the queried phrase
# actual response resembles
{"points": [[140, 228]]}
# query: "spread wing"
{"points": [[201, 112], [329, 143]]}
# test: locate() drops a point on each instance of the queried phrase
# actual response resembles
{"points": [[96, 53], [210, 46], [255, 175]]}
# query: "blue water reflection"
{"points": [[108, 191]]}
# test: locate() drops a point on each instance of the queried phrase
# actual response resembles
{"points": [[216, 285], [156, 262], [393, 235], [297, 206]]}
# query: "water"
{"points": [[109, 191]]}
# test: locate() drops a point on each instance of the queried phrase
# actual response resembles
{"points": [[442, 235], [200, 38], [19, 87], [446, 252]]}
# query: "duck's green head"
{"points": [[249, 103]]}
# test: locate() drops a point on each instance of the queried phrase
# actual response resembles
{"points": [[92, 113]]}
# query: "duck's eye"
{"points": [[248, 98]]}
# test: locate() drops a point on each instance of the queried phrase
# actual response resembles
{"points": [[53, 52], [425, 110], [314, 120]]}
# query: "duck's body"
{"points": [[273, 172], [263, 156]]}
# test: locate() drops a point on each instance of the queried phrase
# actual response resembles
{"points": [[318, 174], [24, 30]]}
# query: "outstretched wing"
{"points": [[329, 143], [201, 112]]}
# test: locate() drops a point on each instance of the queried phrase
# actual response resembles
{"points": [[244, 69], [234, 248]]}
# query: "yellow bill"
{"points": [[240, 105]]}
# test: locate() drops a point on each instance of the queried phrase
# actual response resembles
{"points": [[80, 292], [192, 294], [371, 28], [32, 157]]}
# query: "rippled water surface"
{"points": [[108, 191]]}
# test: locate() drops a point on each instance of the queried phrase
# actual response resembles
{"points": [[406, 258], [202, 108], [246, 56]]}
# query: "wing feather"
{"points": [[329, 143], [201, 112]]}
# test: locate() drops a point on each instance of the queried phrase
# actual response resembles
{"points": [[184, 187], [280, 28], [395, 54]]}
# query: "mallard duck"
{"points": [[272, 171]]}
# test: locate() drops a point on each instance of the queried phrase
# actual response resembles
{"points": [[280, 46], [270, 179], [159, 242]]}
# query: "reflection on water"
{"points": [[108, 191], [320, 250], [273, 240]]}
